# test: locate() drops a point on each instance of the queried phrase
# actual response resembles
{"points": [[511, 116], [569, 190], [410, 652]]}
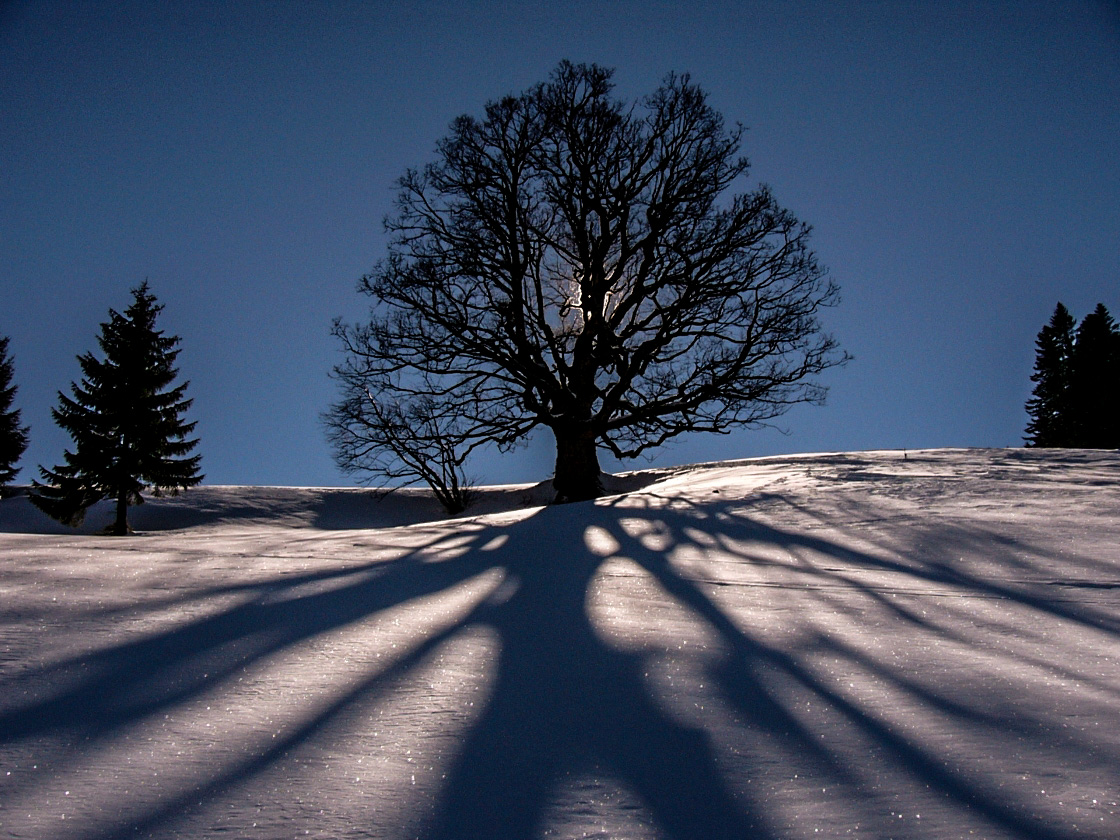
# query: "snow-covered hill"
{"points": [[872, 645]]}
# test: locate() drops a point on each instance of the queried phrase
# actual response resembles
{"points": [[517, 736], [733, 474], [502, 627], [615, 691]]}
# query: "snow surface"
{"points": [[871, 645]]}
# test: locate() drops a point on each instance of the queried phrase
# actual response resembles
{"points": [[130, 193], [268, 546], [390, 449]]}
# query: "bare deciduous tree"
{"points": [[576, 262], [403, 441]]}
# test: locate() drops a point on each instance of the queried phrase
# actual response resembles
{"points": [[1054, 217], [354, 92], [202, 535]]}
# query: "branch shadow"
{"points": [[566, 700]]}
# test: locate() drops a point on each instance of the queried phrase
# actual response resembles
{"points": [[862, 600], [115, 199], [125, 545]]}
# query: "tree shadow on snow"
{"points": [[564, 701]]}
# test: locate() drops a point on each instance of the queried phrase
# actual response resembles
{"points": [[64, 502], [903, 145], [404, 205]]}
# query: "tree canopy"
{"points": [[573, 261], [125, 420]]}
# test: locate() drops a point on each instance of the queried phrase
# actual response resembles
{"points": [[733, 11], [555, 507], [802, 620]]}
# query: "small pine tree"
{"points": [[1096, 382], [125, 421], [13, 436], [1050, 406]]}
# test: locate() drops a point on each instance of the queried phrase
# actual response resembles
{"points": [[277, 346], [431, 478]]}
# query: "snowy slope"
{"points": [[870, 645]]}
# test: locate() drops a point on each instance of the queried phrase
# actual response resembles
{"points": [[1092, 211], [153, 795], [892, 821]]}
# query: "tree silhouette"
{"points": [[579, 263], [125, 421], [1096, 382], [1076, 398], [404, 441], [13, 436], [1050, 407]]}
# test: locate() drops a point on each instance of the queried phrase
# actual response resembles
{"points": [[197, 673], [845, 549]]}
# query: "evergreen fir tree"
{"points": [[125, 420], [13, 436], [1096, 382], [1050, 406]]}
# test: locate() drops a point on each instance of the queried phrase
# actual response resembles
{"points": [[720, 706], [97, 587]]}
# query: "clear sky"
{"points": [[960, 164]]}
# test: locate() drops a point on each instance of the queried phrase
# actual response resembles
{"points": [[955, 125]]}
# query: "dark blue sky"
{"points": [[960, 163]]}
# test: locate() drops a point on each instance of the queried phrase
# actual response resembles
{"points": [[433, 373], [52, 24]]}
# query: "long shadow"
{"points": [[744, 684], [128, 682], [563, 702]]}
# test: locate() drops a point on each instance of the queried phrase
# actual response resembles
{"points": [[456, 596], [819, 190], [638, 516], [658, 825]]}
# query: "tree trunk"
{"points": [[578, 476], [120, 526]]}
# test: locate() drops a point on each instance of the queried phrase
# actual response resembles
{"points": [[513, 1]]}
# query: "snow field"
{"points": [[871, 645]]}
